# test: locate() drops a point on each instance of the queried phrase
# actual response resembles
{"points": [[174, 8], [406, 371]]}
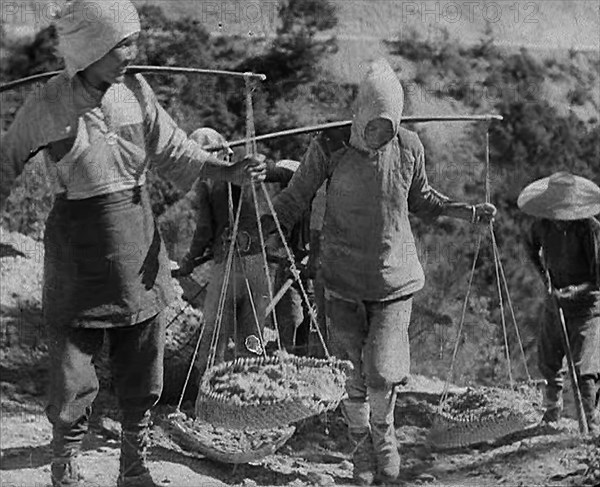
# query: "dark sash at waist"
{"points": [[106, 257]]}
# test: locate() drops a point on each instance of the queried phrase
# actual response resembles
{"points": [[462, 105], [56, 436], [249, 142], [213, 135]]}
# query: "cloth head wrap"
{"points": [[88, 30]]}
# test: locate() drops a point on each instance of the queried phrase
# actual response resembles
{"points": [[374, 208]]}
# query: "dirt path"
{"points": [[317, 454]]}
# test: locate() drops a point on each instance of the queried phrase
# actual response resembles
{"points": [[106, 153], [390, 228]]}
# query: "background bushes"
{"points": [[536, 137]]}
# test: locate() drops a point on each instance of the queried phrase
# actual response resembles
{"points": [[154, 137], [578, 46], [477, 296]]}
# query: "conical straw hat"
{"points": [[561, 196]]}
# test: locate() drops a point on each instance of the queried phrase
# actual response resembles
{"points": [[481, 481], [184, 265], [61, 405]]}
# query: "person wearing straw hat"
{"points": [[564, 245], [375, 175], [106, 270]]}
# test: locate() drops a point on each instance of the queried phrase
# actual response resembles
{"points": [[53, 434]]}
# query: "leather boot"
{"points": [[133, 469], [588, 386], [383, 433], [356, 414], [553, 403], [66, 446]]}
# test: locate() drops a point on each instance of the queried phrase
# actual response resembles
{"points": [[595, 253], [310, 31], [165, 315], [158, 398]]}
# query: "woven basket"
{"points": [[221, 445], [231, 411], [448, 432], [451, 431]]}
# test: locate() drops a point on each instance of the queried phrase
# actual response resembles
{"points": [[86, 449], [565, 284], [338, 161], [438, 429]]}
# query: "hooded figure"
{"points": [[106, 270], [380, 96], [375, 175]]}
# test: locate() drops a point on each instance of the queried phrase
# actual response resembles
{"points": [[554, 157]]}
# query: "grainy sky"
{"points": [[540, 24]]}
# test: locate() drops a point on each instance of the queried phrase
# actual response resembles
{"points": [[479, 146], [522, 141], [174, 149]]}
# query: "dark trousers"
{"points": [[136, 362], [238, 319], [374, 337], [583, 329], [293, 316]]}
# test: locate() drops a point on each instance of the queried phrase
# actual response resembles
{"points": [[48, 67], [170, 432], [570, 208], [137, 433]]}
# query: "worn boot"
{"points": [[66, 446], [385, 444], [588, 386], [553, 403], [356, 414], [133, 470], [386, 452], [363, 456]]}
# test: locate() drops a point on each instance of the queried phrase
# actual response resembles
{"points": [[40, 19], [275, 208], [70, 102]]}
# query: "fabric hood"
{"points": [[380, 95], [89, 30]]}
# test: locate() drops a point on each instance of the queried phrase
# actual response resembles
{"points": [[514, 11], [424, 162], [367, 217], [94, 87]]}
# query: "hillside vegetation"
{"points": [[550, 109]]}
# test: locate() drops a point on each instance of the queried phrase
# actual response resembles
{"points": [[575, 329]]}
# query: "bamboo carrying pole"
{"points": [[275, 135], [36, 78], [347, 123]]}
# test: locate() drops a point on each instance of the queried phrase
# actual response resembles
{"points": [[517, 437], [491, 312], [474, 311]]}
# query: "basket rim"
{"points": [[507, 410], [511, 414], [219, 401], [205, 394], [475, 435]]}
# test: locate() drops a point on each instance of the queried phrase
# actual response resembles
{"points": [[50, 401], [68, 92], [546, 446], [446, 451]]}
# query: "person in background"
{"points": [[301, 337], [292, 311], [298, 334], [202, 239], [106, 271], [375, 174], [314, 272], [247, 295], [564, 245]]}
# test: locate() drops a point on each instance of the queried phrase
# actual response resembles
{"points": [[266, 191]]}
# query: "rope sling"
{"points": [[448, 430], [200, 435], [307, 386], [445, 431], [485, 414]]}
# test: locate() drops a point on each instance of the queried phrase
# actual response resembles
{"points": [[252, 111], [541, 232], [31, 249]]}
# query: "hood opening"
{"points": [[380, 95]]}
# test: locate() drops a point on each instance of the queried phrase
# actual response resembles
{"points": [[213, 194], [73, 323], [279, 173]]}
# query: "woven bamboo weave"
{"points": [[451, 433], [497, 413], [233, 412], [223, 446]]}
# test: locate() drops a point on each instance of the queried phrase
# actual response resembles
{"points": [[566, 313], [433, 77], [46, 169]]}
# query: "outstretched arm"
{"points": [[427, 202], [479, 213], [180, 158], [294, 200]]}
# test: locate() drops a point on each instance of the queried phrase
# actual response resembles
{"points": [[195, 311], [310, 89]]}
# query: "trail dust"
{"points": [[317, 454]]}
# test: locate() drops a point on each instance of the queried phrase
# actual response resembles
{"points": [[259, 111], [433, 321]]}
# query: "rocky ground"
{"points": [[317, 453]]}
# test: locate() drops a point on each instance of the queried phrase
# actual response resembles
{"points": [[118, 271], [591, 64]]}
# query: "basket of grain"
{"points": [[223, 445], [270, 392], [482, 415]]}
